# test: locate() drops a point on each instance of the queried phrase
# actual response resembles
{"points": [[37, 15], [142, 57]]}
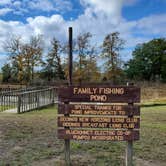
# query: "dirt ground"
{"points": [[31, 140]]}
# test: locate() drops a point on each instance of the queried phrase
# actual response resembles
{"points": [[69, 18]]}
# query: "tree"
{"points": [[32, 53], [111, 47], [149, 61], [6, 73], [24, 57], [53, 69], [14, 47], [86, 67]]}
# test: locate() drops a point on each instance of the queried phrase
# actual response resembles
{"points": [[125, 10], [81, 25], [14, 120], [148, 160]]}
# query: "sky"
{"points": [[138, 21]]}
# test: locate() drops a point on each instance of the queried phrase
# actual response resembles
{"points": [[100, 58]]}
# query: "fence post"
{"points": [[38, 100], [53, 95], [19, 104]]}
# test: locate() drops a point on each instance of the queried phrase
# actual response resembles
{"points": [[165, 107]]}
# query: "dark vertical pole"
{"points": [[67, 141], [19, 104], [70, 54]]}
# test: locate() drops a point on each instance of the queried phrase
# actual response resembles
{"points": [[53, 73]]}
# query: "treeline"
{"points": [[29, 63]]}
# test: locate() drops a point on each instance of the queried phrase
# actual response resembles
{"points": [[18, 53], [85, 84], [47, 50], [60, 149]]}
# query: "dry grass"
{"points": [[153, 93], [31, 140]]}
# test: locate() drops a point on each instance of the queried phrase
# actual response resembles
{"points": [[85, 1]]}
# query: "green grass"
{"points": [[31, 139], [153, 134], [6, 107]]}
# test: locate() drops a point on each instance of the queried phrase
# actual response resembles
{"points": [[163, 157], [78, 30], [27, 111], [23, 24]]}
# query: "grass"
{"points": [[6, 107], [153, 134], [31, 139], [152, 94]]}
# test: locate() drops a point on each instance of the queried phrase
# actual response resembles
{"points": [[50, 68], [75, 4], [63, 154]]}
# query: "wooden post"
{"points": [[67, 141], [129, 146], [129, 153]]}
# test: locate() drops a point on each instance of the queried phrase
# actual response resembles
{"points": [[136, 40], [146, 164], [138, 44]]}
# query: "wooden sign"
{"points": [[91, 109], [104, 94], [98, 119], [94, 121], [99, 122], [103, 135]]}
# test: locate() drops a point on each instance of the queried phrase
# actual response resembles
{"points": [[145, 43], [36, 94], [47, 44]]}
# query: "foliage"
{"points": [[32, 53], [149, 61], [6, 73], [111, 47], [85, 68], [53, 69], [24, 57]]}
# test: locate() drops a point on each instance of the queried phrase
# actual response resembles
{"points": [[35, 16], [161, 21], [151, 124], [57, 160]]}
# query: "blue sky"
{"points": [[137, 21]]}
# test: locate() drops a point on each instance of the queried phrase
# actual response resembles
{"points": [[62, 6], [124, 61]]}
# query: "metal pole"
{"points": [[70, 54], [67, 141]]}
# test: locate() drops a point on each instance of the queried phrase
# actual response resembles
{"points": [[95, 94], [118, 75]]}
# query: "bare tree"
{"points": [[32, 52], [24, 56], [111, 47], [14, 47], [87, 57], [53, 68]]}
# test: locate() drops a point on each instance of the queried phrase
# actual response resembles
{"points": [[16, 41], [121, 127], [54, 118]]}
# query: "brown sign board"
{"points": [[105, 135], [103, 94], [94, 109], [99, 122]]}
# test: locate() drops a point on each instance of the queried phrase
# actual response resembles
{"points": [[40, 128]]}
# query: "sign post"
{"points": [[67, 143], [129, 148]]}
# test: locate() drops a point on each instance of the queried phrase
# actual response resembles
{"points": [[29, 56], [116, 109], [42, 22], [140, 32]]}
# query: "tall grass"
{"points": [[153, 92]]}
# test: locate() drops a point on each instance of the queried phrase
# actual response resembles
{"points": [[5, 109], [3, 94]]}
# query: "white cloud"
{"points": [[48, 26], [47, 5], [9, 28], [4, 11], [20, 7], [111, 8], [44, 5], [5, 2], [17, 4], [154, 24], [63, 5], [98, 25]]}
